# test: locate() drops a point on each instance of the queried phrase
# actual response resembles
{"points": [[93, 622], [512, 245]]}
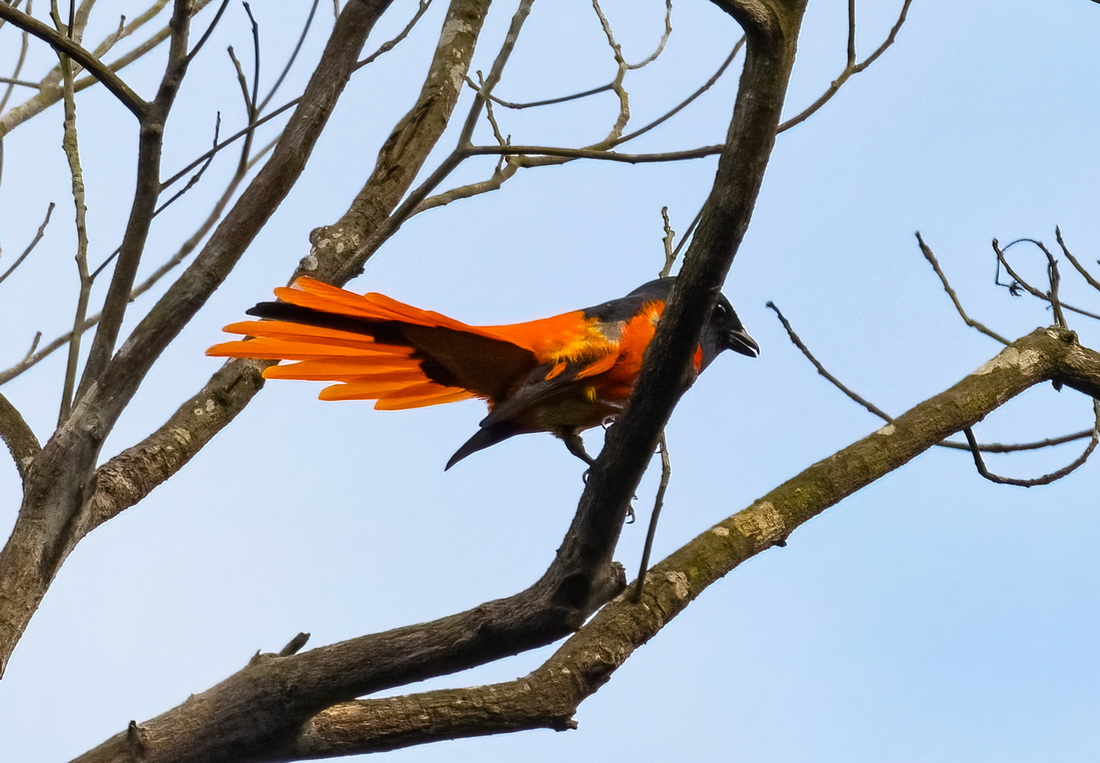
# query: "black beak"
{"points": [[739, 340]]}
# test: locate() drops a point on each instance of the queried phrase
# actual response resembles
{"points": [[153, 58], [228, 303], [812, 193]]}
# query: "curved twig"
{"points": [[1046, 479], [995, 447], [1020, 283]]}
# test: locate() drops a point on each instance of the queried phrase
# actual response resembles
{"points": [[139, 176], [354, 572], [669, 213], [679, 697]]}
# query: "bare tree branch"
{"points": [[599, 150], [390, 44], [1050, 297], [751, 135], [71, 147], [56, 501], [1046, 479], [30, 247], [931, 257], [796, 340], [146, 194], [1074, 261], [655, 515], [549, 696], [124, 480], [851, 68], [50, 91], [18, 436], [63, 44], [24, 45]]}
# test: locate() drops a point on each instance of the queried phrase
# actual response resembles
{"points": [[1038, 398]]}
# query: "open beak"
{"points": [[740, 341]]}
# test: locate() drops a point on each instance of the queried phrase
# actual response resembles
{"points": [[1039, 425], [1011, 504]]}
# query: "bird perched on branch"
{"points": [[561, 375]]}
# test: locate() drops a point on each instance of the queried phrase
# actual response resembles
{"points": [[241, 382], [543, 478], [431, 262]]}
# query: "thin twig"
{"points": [[551, 101], [30, 247], [871, 407], [1055, 280], [489, 115], [689, 232], [389, 45], [691, 98], [19, 62], [1046, 479], [168, 202], [995, 447], [588, 153], [50, 90], [620, 74], [928, 255], [209, 31], [112, 39], [72, 152], [245, 131], [666, 240], [290, 59], [502, 174], [1073, 260], [1019, 282], [821, 369], [62, 44], [851, 68], [34, 344], [254, 97], [658, 504], [661, 44], [851, 59]]}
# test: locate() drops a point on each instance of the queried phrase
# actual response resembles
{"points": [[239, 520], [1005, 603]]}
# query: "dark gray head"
{"points": [[724, 330], [731, 334]]}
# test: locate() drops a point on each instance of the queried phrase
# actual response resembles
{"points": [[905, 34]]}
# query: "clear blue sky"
{"points": [[932, 617]]}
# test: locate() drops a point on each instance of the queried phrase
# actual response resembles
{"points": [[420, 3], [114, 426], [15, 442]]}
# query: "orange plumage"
{"points": [[561, 374]]}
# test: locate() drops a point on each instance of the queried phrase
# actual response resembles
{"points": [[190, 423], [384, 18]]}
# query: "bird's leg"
{"points": [[575, 445]]}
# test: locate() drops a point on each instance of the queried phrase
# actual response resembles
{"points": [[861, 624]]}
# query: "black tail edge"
{"points": [[484, 438], [308, 316]]}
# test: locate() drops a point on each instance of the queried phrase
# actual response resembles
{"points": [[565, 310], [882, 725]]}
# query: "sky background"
{"points": [[931, 617]]}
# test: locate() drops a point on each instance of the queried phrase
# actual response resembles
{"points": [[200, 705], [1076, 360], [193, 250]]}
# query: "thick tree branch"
{"points": [[725, 217], [241, 711], [61, 483], [872, 408], [50, 92], [146, 194], [18, 436], [548, 697], [340, 249], [126, 479]]}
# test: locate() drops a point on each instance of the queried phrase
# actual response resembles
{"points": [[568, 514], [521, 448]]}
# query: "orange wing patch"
{"points": [[555, 371]]}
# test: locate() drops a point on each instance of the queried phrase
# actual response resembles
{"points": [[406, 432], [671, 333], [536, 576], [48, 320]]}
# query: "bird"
{"points": [[561, 375]]}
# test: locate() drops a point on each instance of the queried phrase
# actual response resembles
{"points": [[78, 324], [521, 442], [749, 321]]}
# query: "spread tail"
{"points": [[335, 335]]}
